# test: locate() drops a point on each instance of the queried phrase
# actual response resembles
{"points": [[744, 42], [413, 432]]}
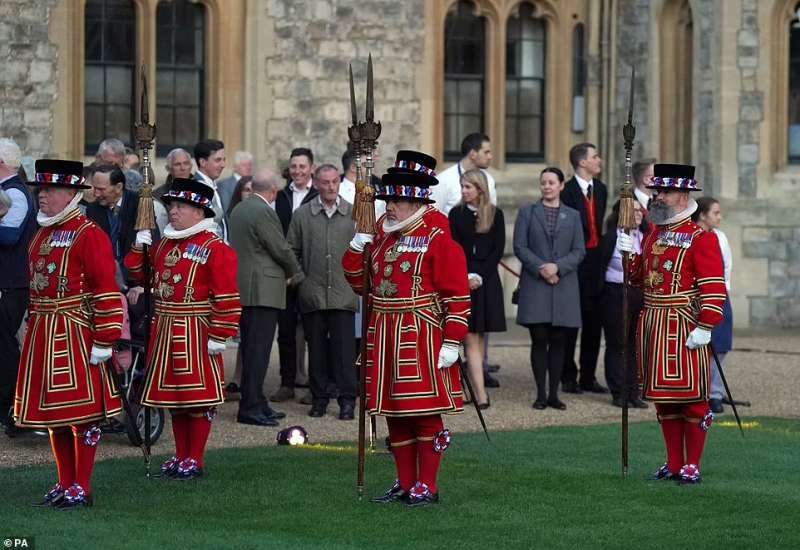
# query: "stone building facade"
{"points": [[713, 88]]}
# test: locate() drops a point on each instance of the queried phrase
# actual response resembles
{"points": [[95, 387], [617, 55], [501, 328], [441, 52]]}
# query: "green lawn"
{"points": [[549, 488]]}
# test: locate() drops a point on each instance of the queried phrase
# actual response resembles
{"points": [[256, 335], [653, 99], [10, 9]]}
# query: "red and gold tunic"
{"points": [[196, 299], [419, 300], [75, 303], [680, 270]]}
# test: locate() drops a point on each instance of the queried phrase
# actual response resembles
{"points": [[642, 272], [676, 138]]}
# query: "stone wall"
{"points": [[27, 74], [306, 71]]}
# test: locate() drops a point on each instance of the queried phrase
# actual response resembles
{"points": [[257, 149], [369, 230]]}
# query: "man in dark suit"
{"points": [[588, 195], [114, 210], [266, 263], [209, 155], [298, 192], [242, 166]]}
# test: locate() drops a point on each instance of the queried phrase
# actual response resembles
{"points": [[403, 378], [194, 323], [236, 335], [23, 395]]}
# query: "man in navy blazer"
{"points": [[588, 195]]}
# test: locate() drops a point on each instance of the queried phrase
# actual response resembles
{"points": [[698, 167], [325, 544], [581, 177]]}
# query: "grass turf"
{"points": [[549, 488]]}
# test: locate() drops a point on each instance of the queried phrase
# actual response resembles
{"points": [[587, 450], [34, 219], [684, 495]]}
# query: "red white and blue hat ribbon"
{"points": [[196, 198], [415, 166], [403, 191], [61, 179]]}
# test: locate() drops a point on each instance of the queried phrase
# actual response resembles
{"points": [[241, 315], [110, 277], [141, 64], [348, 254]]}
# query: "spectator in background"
{"points": [[209, 155], [17, 226], [611, 261], [179, 165], [709, 217], [586, 194], [479, 227], [243, 191], [347, 189], [642, 173], [320, 233], [548, 240], [112, 151], [298, 191], [476, 154], [131, 160], [266, 263], [242, 167]]}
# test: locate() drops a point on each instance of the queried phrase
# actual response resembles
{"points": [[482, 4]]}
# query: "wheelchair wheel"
{"points": [[156, 424]]}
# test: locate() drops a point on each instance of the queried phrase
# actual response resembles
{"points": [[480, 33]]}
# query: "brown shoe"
{"points": [[283, 394]]}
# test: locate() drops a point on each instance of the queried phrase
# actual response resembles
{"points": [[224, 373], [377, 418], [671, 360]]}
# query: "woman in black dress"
{"points": [[479, 227]]}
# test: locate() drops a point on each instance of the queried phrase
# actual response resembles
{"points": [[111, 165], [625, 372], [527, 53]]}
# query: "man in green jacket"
{"points": [[266, 266], [320, 233]]}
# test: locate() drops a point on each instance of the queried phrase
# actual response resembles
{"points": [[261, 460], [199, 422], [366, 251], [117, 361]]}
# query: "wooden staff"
{"points": [[626, 222], [146, 220]]}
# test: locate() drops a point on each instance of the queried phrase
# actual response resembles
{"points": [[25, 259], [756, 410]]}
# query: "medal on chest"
{"points": [[173, 257], [673, 238], [45, 248]]}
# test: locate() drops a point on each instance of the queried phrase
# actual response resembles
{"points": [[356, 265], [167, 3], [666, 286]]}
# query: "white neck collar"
{"points": [[46, 221], [399, 226], [207, 224]]}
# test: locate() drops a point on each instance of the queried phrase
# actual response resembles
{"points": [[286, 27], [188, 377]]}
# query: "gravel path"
{"points": [[763, 369]]}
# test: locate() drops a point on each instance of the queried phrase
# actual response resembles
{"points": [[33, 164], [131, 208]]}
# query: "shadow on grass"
{"points": [[550, 488]]}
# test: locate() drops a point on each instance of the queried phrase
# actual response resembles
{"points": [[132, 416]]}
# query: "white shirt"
{"points": [[448, 193], [329, 210], [584, 185], [216, 202], [727, 257], [347, 190], [15, 216], [298, 194], [642, 196]]}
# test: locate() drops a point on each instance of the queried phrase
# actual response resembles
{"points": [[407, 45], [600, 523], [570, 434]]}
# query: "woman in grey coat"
{"points": [[548, 240]]}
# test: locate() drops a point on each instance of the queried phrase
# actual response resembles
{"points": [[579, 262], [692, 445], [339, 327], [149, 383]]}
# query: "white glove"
{"points": [[144, 237], [360, 240], [215, 347], [698, 337], [476, 277], [625, 243], [99, 355], [447, 355]]}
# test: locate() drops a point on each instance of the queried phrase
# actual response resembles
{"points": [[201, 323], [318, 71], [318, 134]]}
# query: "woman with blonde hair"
{"points": [[480, 229]]}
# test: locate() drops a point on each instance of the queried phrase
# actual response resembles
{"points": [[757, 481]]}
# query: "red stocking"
{"points": [[87, 436], [428, 429], [199, 430], [62, 443], [180, 430], [671, 419], [404, 449], [697, 421]]}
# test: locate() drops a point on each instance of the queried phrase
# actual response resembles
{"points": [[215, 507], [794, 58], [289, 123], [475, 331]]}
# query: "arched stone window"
{"points": [[525, 84], [110, 66], [677, 61], [794, 88], [464, 79], [578, 78], [180, 74]]}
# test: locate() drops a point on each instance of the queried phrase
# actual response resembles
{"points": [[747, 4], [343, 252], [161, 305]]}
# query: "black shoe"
{"points": [[716, 406], [420, 495], [317, 411], [571, 387], [490, 382], [256, 420], [75, 498], [593, 387], [556, 404], [54, 497], [493, 368], [233, 387], [269, 412], [617, 401], [484, 406], [395, 493], [637, 403], [347, 411], [539, 405]]}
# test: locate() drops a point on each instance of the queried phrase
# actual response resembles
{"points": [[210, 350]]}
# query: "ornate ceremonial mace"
{"points": [[363, 138], [626, 222], [145, 219]]}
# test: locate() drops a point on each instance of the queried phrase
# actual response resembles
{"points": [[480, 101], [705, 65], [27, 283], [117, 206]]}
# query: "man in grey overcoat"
{"points": [[320, 232], [266, 265]]}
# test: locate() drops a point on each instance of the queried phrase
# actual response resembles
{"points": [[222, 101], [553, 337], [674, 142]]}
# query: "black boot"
{"points": [[394, 494]]}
